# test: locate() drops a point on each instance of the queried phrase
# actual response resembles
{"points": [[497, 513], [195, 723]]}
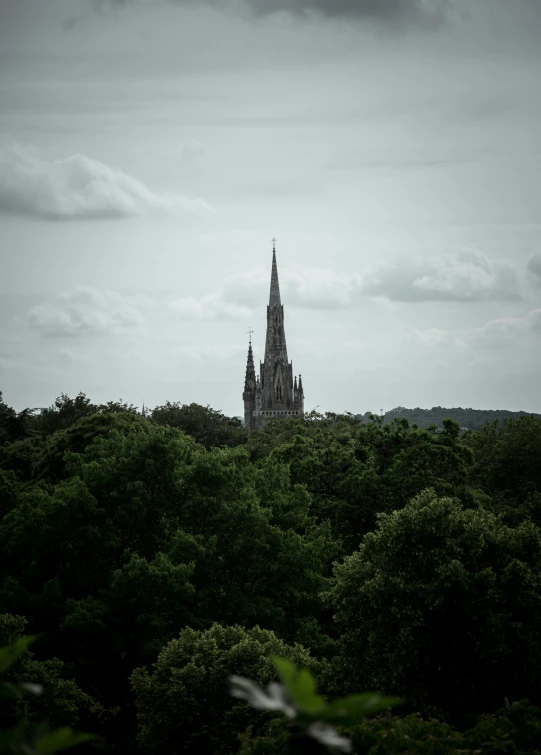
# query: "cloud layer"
{"points": [[534, 269], [466, 276], [86, 311], [77, 187], [420, 11], [496, 333], [303, 287]]}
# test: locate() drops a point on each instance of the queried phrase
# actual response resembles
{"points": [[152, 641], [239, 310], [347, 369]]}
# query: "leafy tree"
{"points": [[508, 464], [66, 411], [25, 737], [514, 730], [467, 419], [207, 426], [443, 606], [63, 703], [49, 463], [20, 457], [354, 472], [311, 720], [250, 570], [14, 425], [184, 704]]}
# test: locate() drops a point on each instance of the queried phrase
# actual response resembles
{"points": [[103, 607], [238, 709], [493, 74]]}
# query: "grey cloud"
{"points": [[301, 287], [534, 268], [496, 334], [77, 187], [435, 337], [392, 11], [377, 9], [466, 276], [87, 311]]}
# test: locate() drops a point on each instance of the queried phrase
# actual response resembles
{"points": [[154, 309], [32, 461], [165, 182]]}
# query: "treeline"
{"points": [[157, 555], [468, 419]]}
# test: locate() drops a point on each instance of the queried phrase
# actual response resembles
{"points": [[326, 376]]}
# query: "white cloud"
{"points": [[466, 276], [302, 287], [86, 311], [68, 355], [501, 332], [77, 187], [214, 351], [435, 337], [208, 307]]}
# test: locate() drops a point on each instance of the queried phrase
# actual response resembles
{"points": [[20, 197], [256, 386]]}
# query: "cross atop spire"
{"points": [[250, 331]]}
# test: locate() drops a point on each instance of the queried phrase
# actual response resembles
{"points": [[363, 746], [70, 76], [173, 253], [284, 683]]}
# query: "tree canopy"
{"points": [[156, 554]]}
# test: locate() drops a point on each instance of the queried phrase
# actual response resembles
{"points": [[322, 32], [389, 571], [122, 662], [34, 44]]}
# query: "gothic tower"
{"points": [[250, 385], [276, 393]]}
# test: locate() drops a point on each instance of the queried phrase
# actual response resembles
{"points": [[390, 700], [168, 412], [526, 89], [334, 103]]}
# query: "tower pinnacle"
{"points": [[274, 297]]}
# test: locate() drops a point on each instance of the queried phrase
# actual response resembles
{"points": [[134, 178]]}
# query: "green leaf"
{"points": [[61, 739], [300, 686], [286, 670], [8, 689], [351, 710], [10, 653]]}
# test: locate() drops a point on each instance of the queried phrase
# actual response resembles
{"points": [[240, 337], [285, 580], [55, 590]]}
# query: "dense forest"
{"points": [[156, 555], [468, 419]]}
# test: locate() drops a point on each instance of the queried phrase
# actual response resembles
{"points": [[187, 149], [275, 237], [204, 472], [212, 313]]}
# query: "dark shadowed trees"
{"points": [[442, 605]]}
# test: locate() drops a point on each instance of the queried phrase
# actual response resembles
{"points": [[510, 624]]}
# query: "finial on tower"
{"points": [[273, 244], [250, 331]]}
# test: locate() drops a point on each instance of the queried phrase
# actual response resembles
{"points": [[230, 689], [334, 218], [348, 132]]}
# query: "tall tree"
{"points": [[442, 605]]}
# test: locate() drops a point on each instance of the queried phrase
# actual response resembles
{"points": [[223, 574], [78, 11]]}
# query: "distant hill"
{"points": [[468, 419]]}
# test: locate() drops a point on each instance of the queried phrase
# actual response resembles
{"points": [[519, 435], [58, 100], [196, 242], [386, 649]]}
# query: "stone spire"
{"points": [[274, 297], [250, 389], [249, 381], [275, 342]]}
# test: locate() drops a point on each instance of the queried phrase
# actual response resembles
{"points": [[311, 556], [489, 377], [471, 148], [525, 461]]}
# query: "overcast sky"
{"points": [[150, 150]]}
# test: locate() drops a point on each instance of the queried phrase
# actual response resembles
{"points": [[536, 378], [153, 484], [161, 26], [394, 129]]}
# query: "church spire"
{"points": [[275, 342], [274, 297], [249, 381]]}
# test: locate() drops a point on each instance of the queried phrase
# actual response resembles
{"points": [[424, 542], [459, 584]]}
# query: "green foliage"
{"points": [[206, 426], [24, 737], [347, 711], [118, 532], [513, 730], [67, 411], [467, 419], [508, 466], [354, 471], [14, 425], [183, 704], [25, 678], [50, 464], [310, 726], [441, 605]]}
